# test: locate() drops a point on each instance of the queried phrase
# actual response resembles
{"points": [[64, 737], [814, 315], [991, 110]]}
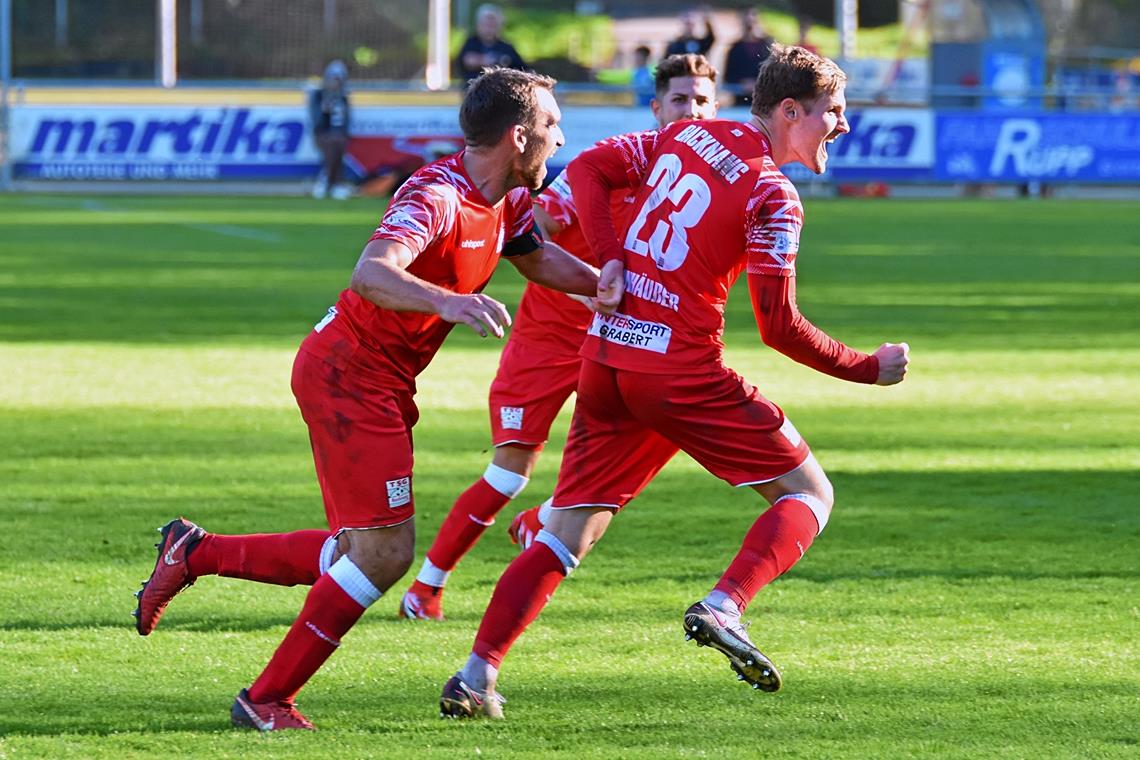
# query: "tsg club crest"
{"points": [[511, 417]]}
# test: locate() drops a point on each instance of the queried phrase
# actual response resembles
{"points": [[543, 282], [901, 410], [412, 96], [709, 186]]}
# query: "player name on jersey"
{"points": [[721, 159], [640, 286]]}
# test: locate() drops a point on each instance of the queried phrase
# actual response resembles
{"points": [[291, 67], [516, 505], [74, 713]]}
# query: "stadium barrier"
{"points": [[272, 142]]}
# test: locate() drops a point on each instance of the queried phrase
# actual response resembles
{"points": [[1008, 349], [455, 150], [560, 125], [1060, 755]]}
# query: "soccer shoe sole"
{"points": [[750, 664]]}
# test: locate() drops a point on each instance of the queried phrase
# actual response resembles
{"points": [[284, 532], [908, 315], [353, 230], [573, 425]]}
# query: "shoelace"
{"points": [[292, 711]]}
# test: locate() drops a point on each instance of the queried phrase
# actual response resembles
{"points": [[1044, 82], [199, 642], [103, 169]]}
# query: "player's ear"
{"points": [[655, 107], [790, 109], [519, 137]]}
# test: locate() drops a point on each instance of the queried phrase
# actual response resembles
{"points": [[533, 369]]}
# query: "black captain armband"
{"points": [[528, 242]]}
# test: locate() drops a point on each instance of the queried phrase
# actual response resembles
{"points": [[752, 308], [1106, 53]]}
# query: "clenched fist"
{"points": [[893, 360]]}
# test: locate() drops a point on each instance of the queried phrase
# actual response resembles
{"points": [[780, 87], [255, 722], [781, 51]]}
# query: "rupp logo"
{"points": [[166, 133]]}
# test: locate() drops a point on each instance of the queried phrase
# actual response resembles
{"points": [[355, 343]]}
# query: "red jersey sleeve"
{"points": [[522, 234], [783, 328], [419, 214], [558, 201], [775, 218], [617, 162]]}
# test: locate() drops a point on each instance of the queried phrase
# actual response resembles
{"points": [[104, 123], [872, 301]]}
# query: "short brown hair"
{"points": [[498, 99], [793, 72], [681, 65]]}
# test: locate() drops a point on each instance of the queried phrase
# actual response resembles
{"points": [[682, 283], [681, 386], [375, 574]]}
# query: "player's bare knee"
{"points": [[384, 555], [518, 459], [580, 529]]}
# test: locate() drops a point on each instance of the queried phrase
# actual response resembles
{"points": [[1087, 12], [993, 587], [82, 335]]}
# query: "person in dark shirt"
{"points": [[689, 42], [329, 116], [745, 56], [486, 47]]}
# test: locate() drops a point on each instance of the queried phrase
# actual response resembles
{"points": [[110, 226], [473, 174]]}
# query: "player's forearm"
{"points": [[553, 267], [390, 287], [785, 329], [593, 175]]}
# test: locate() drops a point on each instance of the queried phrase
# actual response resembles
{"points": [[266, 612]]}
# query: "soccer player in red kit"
{"points": [[354, 380], [539, 366], [712, 204]]}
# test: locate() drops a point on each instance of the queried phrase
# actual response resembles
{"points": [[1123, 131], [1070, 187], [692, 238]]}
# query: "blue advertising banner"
{"points": [[155, 143], [1052, 147]]}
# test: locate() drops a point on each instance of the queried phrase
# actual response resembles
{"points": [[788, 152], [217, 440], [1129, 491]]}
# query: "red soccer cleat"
{"points": [[270, 716], [422, 602], [525, 527], [170, 574]]}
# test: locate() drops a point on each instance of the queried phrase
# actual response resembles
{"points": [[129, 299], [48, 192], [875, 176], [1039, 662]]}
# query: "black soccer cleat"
{"points": [[711, 628]]}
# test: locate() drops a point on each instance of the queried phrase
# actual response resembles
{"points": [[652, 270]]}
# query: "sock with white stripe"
{"points": [[774, 543], [474, 511], [333, 605]]}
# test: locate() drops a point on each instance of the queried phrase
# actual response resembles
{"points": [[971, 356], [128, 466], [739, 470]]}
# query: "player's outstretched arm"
{"points": [[552, 266], [785, 329], [381, 277]]}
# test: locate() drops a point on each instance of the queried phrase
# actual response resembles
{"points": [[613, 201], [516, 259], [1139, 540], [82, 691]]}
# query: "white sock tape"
{"points": [[568, 560], [509, 484], [328, 549], [354, 582], [432, 575], [817, 507]]}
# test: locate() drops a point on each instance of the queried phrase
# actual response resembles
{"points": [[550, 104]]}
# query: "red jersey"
{"points": [[711, 202], [550, 319], [456, 238]]}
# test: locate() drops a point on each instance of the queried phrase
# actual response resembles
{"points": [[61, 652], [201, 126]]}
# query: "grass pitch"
{"points": [[975, 594]]}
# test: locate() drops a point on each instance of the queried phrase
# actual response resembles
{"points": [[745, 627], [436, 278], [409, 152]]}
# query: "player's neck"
{"points": [[490, 173], [775, 139]]}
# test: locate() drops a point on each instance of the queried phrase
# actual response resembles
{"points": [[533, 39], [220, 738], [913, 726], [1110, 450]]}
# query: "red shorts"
{"points": [[528, 392], [628, 425], [362, 444]]}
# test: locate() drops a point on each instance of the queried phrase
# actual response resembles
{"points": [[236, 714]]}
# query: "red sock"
{"points": [[328, 614], [776, 541], [523, 590], [473, 513], [285, 559]]}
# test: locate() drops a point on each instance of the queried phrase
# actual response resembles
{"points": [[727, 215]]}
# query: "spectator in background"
{"points": [[486, 47], [644, 88], [329, 115], [805, 27], [745, 56], [688, 42]]}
